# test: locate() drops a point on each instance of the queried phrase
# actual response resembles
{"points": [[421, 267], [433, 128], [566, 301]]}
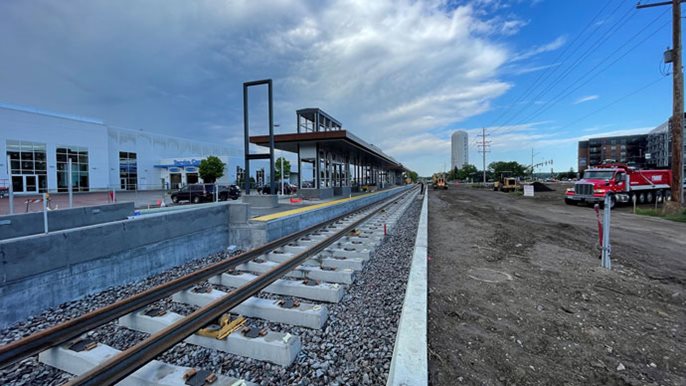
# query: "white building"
{"points": [[40, 143], [460, 149]]}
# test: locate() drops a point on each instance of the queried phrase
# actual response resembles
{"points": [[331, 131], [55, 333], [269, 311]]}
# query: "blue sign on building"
{"points": [[184, 163]]}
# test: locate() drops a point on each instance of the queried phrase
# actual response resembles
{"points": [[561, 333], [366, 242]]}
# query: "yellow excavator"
{"points": [[439, 181]]}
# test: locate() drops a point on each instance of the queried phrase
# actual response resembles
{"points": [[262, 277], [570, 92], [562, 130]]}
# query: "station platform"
{"points": [[268, 224], [289, 207]]}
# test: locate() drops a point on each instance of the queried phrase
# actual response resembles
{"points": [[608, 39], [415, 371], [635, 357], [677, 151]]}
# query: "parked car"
{"points": [[232, 192], [287, 188], [197, 193], [264, 189]]}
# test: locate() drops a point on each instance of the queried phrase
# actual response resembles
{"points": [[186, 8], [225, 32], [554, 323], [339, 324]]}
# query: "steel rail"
{"points": [[73, 328], [126, 362]]}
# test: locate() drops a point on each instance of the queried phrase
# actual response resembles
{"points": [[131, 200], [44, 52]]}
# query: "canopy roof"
{"points": [[341, 141]]}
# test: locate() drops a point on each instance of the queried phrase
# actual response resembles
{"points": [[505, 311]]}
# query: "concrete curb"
{"points": [[409, 365]]}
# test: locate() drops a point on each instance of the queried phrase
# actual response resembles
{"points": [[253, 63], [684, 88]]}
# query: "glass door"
{"points": [[31, 184], [18, 184], [25, 183]]}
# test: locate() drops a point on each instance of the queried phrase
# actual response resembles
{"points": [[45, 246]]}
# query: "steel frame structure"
{"points": [[246, 134]]}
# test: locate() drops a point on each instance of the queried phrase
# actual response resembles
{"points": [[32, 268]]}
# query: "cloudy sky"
{"points": [[401, 74]]}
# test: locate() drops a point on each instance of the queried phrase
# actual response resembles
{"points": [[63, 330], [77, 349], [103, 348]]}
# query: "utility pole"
{"points": [[483, 148], [677, 121]]}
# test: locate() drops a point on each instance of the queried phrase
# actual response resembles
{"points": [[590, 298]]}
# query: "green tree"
{"points": [[466, 171], [211, 169], [412, 175], [286, 168], [452, 174], [513, 168]]}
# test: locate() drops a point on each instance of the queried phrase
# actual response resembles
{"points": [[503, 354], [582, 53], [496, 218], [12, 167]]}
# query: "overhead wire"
{"points": [[645, 86], [545, 75], [598, 42], [569, 90]]}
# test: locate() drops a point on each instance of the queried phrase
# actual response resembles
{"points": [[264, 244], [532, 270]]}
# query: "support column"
{"points": [[300, 164], [317, 166]]}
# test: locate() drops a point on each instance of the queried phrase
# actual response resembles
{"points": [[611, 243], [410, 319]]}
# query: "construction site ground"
{"points": [[517, 295]]}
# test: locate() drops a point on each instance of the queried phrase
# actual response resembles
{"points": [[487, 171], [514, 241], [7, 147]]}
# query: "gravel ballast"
{"points": [[354, 347]]}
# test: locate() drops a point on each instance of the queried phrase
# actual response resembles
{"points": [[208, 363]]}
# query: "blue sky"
{"points": [[401, 74]]}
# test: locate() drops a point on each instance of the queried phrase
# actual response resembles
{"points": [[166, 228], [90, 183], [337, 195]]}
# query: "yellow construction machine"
{"points": [[439, 181], [506, 183]]}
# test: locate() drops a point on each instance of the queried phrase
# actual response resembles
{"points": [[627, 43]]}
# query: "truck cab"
{"points": [[621, 182], [595, 184]]}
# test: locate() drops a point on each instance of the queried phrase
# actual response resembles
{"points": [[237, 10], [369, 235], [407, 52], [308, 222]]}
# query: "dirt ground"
{"points": [[517, 295]]}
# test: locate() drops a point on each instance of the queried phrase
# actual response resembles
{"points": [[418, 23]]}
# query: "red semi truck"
{"points": [[622, 182]]}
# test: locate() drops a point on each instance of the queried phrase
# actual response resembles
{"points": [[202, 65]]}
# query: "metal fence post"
{"points": [[69, 185], [606, 262], [45, 212], [11, 186]]}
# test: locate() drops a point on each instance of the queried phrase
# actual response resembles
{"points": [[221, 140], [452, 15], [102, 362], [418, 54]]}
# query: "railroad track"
{"points": [[303, 272]]}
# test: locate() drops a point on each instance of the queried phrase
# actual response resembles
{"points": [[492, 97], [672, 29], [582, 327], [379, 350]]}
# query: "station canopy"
{"points": [[317, 127]]}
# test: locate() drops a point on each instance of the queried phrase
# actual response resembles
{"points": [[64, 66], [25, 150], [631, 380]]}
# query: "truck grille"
{"points": [[584, 189]]}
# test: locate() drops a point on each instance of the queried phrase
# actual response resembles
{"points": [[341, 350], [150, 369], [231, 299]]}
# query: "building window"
{"points": [[79, 168], [128, 171], [28, 166]]}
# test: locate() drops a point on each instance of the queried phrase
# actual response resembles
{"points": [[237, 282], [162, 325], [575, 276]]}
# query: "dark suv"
{"points": [[197, 193]]}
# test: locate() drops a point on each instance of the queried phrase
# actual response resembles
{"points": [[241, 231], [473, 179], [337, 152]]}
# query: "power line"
{"points": [[623, 97], [590, 73], [645, 86], [560, 58], [598, 42], [569, 90]]}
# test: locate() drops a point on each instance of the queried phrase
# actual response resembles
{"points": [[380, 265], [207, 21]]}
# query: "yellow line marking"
{"points": [[273, 216]]}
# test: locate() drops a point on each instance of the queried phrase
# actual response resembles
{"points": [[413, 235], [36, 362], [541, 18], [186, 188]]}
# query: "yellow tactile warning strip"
{"points": [[274, 216]]}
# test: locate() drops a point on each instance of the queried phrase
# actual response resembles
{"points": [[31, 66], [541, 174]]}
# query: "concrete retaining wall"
{"points": [[261, 200], [310, 193], [342, 191], [25, 224], [45, 270]]}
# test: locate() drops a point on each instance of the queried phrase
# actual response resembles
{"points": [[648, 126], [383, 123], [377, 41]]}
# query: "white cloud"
{"points": [[386, 69], [520, 70], [537, 50], [417, 145], [586, 99]]}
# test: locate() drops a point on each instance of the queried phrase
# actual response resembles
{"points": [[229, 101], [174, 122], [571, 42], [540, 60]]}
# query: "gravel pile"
{"points": [[354, 348]]}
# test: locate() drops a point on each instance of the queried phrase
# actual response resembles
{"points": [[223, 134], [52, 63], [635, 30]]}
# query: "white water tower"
{"points": [[460, 149]]}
